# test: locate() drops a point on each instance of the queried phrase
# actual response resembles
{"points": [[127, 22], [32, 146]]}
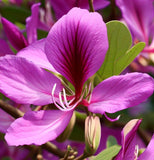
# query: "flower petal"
{"points": [[37, 127], [32, 23], [98, 4], [4, 48], [35, 53], [14, 35], [120, 92], [127, 151], [25, 83], [76, 45], [5, 121], [148, 154], [139, 16]]}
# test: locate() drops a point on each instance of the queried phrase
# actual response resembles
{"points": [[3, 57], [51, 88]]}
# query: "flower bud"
{"points": [[92, 134]]}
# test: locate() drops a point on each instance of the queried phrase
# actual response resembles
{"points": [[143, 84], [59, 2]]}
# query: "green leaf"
{"points": [[119, 54], [6, 158], [111, 141], [128, 57], [14, 13], [1, 96], [108, 153]]}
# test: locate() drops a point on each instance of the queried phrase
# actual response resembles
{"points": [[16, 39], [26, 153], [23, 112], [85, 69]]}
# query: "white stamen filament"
{"points": [[88, 95], [61, 101], [65, 106], [65, 99]]}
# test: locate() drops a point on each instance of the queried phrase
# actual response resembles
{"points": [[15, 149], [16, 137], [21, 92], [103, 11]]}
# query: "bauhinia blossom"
{"points": [[75, 47], [139, 17], [129, 150]]}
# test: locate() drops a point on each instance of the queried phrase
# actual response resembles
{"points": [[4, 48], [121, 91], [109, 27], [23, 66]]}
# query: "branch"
{"points": [[83, 156], [14, 112], [53, 149]]}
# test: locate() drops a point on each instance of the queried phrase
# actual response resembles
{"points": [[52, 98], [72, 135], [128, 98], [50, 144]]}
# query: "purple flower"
{"points": [[129, 150], [62, 7], [39, 19], [139, 16], [75, 48]]}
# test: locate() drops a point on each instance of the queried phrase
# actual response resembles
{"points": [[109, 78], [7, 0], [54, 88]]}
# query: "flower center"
{"points": [[64, 104]]}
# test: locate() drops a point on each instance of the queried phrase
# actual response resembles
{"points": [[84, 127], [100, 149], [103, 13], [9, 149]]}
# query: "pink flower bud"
{"points": [[92, 134]]}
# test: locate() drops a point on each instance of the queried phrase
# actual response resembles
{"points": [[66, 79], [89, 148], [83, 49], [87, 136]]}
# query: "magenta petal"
{"points": [[35, 53], [120, 92], [4, 48], [37, 127], [61, 7], [98, 4], [139, 16], [127, 151], [26, 83], [14, 35], [76, 47], [5, 121], [32, 23], [148, 154]]}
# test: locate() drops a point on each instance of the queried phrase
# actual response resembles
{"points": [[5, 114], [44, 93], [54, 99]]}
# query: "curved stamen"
{"points": [[62, 107], [53, 98], [89, 92], [110, 119], [61, 102], [65, 98], [71, 101]]}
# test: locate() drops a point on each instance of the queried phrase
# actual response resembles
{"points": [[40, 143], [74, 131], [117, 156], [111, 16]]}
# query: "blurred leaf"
{"points": [[20, 25], [77, 133], [6, 158], [1, 96], [119, 54], [41, 34], [107, 154], [111, 141], [14, 13], [5, 1], [128, 57]]}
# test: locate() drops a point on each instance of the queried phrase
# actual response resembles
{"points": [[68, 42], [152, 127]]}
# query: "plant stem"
{"points": [[113, 11], [91, 6], [82, 156], [53, 149], [14, 112]]}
